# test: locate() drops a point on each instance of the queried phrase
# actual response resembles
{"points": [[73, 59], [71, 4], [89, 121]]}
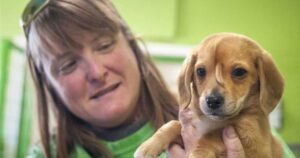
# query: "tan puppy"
{"points": [[227, 80]]}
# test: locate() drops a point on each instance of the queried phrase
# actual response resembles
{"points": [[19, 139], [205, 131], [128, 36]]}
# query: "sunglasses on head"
{"points": [[33, 8]]}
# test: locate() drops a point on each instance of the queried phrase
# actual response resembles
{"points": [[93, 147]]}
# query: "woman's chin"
{"points": [[110, 118]]}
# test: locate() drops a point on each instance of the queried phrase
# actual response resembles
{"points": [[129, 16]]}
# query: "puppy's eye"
{"points": [[239, 72], [201, 72]]}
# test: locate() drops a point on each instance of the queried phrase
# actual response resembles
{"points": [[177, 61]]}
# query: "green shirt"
{"points": [[123, 148], [126, 147]]}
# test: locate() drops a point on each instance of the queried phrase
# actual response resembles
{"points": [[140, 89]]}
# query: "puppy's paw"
{"points": [[149, 150]]}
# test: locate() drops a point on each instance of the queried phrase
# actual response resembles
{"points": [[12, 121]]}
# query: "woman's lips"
{"points": [[105, 91]]}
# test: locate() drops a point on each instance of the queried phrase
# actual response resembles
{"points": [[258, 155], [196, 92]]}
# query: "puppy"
{"points": [[227, 80]]}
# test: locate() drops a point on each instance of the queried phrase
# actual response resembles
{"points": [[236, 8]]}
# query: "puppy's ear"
{"points": [[271, 83], [185, 81]]}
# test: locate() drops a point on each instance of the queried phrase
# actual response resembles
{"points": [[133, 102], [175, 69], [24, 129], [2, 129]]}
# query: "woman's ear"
{"points": [[185, 81], [271, 83]]}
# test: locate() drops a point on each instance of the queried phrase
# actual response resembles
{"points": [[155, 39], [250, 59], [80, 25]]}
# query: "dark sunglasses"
{"points": [[33, 8]]}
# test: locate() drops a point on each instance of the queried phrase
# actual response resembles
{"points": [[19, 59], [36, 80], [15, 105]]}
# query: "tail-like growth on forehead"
{"points": [[219, 75], [271, 82], [185, 80]]}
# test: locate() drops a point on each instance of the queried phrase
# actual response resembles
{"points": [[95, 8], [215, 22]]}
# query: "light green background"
{"points": [[275, 24]]}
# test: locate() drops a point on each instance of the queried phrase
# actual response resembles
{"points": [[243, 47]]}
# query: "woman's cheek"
{"points": [[73, 87]]}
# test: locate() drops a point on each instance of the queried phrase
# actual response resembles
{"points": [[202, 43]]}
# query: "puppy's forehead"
{"points": [[227, 49], [232, 48]]}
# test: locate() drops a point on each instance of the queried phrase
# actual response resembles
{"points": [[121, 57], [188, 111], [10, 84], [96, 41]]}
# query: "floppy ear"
{"points": [[271, 83], [185, 81]]}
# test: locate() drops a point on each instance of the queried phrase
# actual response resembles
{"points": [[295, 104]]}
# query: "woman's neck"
{"points": [[127, 128]]}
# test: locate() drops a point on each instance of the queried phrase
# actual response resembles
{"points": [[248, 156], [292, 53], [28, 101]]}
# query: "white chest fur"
{"points": [[204, 125]]}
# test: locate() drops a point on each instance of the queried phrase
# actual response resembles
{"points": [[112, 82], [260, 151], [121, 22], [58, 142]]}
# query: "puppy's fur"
{"points": [[227, 80]]}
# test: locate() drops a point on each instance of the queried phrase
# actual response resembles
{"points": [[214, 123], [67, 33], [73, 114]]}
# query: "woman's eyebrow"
{"points": [[97, 37], [62, 56], [103, 36]]}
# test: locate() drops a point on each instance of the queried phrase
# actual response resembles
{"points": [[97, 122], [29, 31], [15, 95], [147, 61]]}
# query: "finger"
{"points": [[175, 151], [185, 116], [232, 143], [189, 134], [188, 130]]}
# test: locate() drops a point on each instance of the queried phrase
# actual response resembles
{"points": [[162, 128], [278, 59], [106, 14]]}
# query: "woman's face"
{"points": [[99, 81]]}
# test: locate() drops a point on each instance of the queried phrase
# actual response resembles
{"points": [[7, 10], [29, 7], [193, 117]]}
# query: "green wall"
{"points": [[275, 24], [10, 12]]}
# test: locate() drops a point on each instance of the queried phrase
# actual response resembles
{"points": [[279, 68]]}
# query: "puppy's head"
{"points": [[227, 73]]}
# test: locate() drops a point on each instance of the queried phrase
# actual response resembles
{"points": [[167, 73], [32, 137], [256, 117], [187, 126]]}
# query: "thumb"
{"points": [[232, 143], [175, 151]]}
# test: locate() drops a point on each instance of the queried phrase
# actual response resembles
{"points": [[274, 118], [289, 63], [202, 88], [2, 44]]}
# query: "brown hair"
{"points": [[47, 30]]}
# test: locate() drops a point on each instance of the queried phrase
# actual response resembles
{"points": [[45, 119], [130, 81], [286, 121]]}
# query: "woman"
{"points": [[107, 96]]}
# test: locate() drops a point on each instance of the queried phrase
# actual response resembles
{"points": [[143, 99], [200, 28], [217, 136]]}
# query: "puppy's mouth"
{"points": [[218, 116], [221, 114], [105, 91]]}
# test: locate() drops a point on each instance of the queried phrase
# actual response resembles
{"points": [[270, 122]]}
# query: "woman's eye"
{"points": [[105, 45], [239, 72], [68, 67], [201, 72]]}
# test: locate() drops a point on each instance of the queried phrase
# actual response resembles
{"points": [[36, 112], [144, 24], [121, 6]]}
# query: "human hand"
{"points": [[232, 142], [188, 134]]}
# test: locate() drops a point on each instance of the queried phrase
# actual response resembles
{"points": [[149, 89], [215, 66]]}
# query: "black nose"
{"points": [[214, 101]]}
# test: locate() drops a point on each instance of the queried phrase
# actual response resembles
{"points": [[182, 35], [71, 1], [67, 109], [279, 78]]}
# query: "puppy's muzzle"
{"points": [[214, 101]]}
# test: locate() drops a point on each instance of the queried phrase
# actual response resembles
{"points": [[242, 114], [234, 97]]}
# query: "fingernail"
{"points": [[230, 133]]}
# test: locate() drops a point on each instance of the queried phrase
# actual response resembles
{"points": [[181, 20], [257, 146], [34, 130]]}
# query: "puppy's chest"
{"points": [[205, 126]]}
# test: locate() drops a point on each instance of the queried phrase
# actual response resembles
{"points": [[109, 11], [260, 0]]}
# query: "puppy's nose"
{"points": [[214, 101]]}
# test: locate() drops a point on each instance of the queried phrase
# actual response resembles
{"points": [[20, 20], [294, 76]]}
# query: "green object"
{"points": [[26, 118], [123, 148], [24, 133], [287, 153], [168, 59], [126, 147], [5, 48]]}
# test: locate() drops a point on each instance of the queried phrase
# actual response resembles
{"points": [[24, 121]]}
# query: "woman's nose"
{"points": [[96, 72]]}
